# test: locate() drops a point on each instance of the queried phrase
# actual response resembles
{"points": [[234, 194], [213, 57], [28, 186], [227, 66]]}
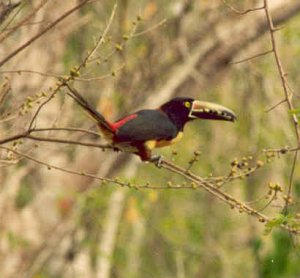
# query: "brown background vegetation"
{"points": [[59, 217]]}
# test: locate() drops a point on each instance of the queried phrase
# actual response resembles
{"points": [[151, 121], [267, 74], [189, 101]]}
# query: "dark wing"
{"points": [[148, 125]]}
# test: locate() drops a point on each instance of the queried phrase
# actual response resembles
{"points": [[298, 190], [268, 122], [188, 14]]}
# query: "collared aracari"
{"points": [[144, 130]]}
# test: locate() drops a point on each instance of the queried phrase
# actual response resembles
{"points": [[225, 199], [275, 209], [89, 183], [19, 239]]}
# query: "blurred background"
{"points": [[59, 224]]}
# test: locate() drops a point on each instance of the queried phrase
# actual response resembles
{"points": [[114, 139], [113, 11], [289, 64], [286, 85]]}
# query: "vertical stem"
{"points": [[288, 98]]}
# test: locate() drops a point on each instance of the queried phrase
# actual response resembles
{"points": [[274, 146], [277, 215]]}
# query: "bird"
{"points": [[144, 130]]}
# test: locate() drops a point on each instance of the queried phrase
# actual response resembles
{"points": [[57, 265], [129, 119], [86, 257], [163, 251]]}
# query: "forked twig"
{"points": [[242, 12], [285, 87]]}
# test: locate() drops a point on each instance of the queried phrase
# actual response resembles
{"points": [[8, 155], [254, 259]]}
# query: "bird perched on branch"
{"points": [[144, 130]]}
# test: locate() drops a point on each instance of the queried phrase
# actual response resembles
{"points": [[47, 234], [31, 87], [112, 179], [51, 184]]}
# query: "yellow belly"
{"points": [[152, 144]]}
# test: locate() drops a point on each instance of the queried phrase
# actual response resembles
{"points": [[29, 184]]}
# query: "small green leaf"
{"points": [[276, 222], [295, 111]]}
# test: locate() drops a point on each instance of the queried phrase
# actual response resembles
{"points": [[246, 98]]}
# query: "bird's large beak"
{"points": [[211, 111]]}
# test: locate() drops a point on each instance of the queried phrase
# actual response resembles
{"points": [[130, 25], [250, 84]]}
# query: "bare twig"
{"points": [[285, 87], [46, 74], [242, 12], [137, 34], [51, 166], [58, 76], [116, 49], [22, 22], [252, 57], [42, 32], [221, 195], [197, 182], [77, 69], [280, 68], [12, 138], [66, 129], [269, 202], [70, 142], [275, 106], [101, 38], [27, 135], [42, 105], [89, 79], [6, 9], [4, 90]]}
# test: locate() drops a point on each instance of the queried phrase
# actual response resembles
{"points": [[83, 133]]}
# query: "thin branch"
{"points": [[51, 166], [282, 150], [269, 202], [42, 105], [27, 135], [286, 93], [109, 55], [292, 90], [71, 142], [76, 70], [242, 12], [13, 17], [101, 38], [196, 180], [58, 76], [137, 34], [280, 68], [6, 9], [291, 182], [13, 138], [22, 22], [66, 129], [42, 32], [221, 195], [275, 106], [252, 57], [4, 90], [100, 77], [46, 74]]}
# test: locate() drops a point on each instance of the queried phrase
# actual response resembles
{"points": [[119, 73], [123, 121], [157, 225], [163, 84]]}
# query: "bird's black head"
{"points": [[181, 110]]}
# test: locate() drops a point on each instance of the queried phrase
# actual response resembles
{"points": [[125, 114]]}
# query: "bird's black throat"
{"points": [[176, 112]]}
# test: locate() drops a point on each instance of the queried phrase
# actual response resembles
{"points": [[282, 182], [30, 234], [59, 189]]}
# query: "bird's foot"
{"points": [[116, 149], [157, 160]]}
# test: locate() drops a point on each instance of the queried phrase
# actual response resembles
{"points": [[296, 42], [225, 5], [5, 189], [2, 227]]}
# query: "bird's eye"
{"points": [[187, 104]]}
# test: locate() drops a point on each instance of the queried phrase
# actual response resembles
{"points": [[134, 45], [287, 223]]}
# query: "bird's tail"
{"points": [[102, 122]]}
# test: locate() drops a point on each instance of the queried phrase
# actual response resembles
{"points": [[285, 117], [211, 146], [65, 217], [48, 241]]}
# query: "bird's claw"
{"points": [[157, 160], [116, 149]]}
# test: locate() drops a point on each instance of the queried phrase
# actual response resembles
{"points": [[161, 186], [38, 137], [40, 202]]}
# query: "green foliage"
{"points": [[296, 112], [281, 261], [73, 50], [256, 245], [276, 222], [282, 219], [16, 241], [25, 194]]}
